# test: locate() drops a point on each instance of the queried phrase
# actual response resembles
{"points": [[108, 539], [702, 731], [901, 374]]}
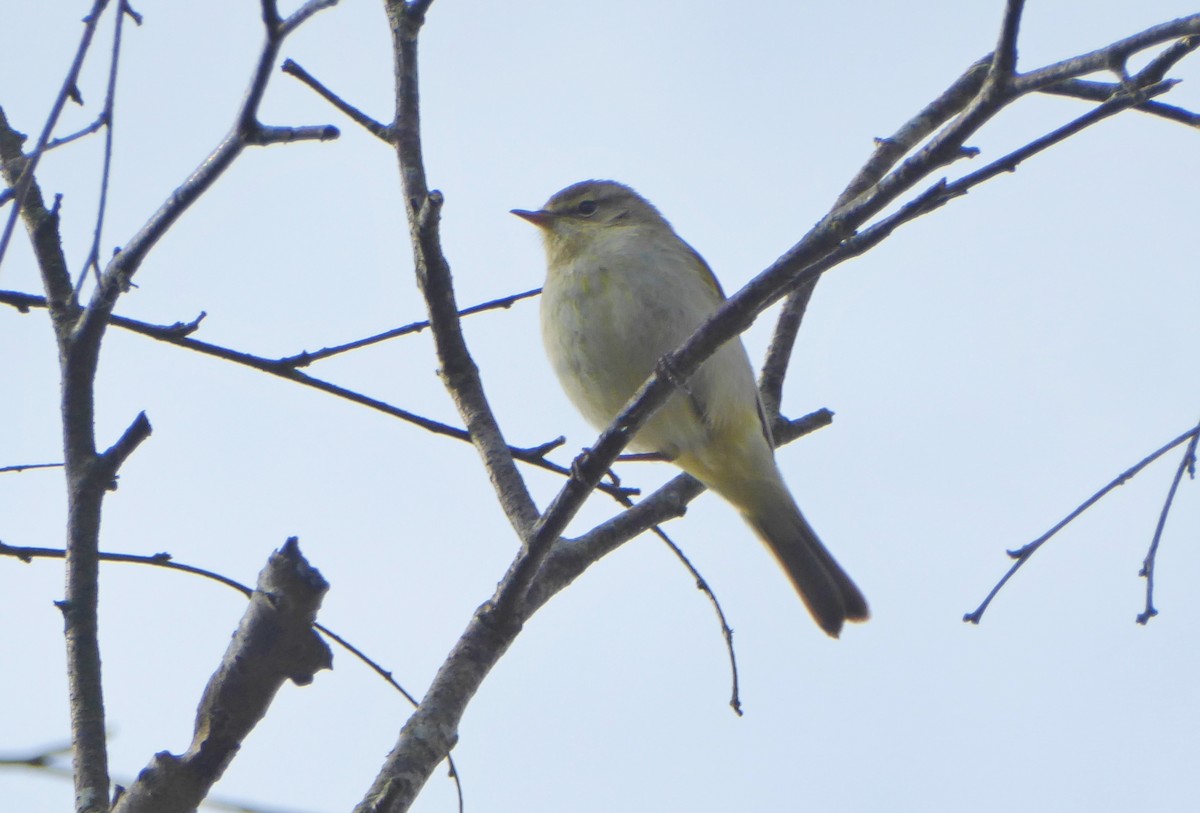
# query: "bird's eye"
{"points": [[587, 208]]}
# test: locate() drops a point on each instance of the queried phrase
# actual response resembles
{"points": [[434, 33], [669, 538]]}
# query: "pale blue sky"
{"points": [[990, 367]]}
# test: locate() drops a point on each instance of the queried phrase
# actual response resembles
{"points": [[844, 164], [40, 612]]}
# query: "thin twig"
{"points": [[735, 700], [381, 131], [246, 131], [783, 342], [1186, 464], [305, 358], [889, 150], [300, 15], [67, 139], [1023, 554], [67, 91], [109, 121], [27, 466], [178, 335], [1101, 91]]}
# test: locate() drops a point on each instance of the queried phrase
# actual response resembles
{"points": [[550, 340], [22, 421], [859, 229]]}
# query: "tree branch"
{"points": [[107, 118], [24, 180], [1186, 464], [79, 333], [1004, 61], [246, 131], [275, 642], [993, 77], [383, 132], [1101, 91], [1023, 554], [549, 561], [179, 335], [423, 207], [1111, 57]]}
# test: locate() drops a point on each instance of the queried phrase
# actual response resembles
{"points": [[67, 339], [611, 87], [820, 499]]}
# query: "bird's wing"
{"points": [[693, 398]]}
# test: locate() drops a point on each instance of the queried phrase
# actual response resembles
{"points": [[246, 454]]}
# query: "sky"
{"points": [[990, 367]]}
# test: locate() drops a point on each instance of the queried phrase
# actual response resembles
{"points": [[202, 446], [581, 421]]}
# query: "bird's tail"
{"points": [[828, 592], [748, 478]]}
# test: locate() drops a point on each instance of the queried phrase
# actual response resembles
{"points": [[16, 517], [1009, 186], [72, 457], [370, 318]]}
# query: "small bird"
{"points": [[622, 290]]}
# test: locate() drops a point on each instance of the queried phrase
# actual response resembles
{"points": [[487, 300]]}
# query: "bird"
{"points": [[622, 290]]}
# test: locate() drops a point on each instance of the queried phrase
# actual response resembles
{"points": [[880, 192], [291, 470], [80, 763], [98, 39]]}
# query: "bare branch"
{"points": [[381, 131], [26, 466], [1111, 57], [985, 86], [178, 334], [106, 116], [79, 333], [430, 732], [84, 492], [21, 184], [305, 358], [1101, 91], [423, 208], [783, 342], [263, 135], [1023, 554], [246, 131], [1004, 61], [164, 560], [67, 139], [111, 460], [735, 700], [303, 13], [889, 151], [41, 223], [569, 558], [1186, 464], [274, 643]]}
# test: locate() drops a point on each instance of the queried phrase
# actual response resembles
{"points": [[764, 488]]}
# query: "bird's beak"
{"points": [[540, 218]]}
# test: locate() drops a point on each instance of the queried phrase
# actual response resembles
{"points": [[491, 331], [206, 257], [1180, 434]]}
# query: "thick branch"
{"points": [[1004, 63], [275, 642], [40, 223]]}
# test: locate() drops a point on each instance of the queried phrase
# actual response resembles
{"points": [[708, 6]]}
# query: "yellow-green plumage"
{"points": [[622, 290]]}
